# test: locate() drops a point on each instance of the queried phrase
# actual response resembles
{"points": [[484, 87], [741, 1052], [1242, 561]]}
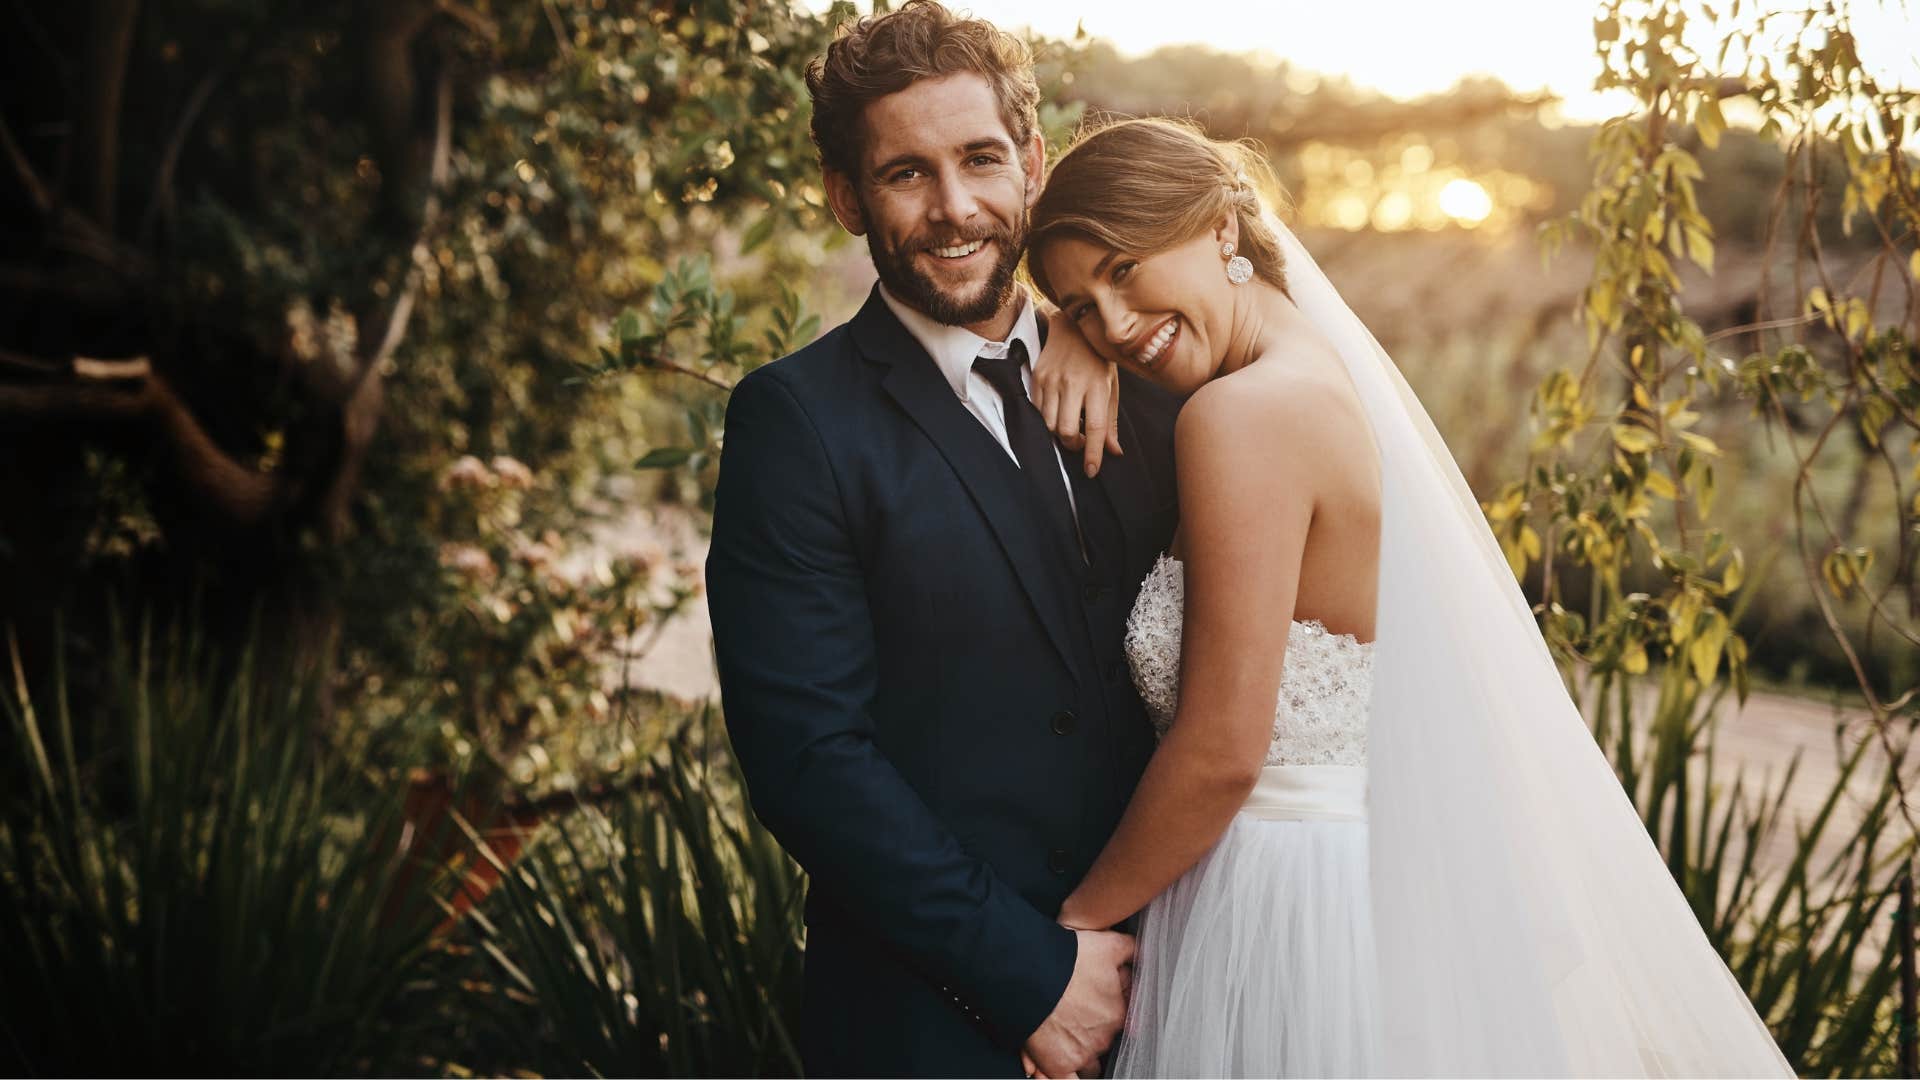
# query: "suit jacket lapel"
{"points": [[990, 477]]}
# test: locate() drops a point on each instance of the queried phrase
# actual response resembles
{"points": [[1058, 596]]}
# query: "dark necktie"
{"points": [[1032, 445]]}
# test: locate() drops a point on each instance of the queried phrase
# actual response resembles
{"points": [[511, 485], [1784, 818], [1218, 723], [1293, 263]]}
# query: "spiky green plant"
{"points": [[1812, 942], [658, 936], [189, 883]]}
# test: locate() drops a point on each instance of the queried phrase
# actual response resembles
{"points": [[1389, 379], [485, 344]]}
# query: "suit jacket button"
{"points": [[1057, 860], [1093, 593], [1064, 722]]}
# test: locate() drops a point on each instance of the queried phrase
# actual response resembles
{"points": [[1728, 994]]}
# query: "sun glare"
{"points": [[1465, 201]]}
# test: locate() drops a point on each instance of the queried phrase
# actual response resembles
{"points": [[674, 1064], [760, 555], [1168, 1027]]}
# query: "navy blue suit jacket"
{"points": [[927, 695]]}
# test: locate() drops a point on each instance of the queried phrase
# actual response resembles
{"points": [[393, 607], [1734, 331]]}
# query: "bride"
{"points": [[1377, 837]]}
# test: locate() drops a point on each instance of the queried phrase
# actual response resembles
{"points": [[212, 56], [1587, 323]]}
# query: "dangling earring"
{"points": [[1239, 270]]}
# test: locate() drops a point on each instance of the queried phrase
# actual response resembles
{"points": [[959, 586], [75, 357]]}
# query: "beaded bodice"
{"points": [[1321, 717]]}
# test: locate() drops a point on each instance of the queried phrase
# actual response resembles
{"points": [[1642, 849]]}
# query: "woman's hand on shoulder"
{"points": [[1077, 393]]}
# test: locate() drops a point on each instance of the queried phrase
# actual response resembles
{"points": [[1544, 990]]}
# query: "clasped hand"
{"points": [[1089, 1016]]}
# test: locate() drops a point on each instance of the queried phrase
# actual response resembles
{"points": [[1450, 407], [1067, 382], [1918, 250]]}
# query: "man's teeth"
{"points": [[959, 252], [1159, 341]]}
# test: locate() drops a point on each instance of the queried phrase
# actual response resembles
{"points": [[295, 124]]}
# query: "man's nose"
{"points": [[955, 203]]}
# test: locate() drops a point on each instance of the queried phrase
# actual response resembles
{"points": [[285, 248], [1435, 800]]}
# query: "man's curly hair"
{"points": [[878, 55]]}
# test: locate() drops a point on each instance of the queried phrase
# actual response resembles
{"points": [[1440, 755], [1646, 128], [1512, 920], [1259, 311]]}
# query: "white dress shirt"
{"points": [[954, 348]]}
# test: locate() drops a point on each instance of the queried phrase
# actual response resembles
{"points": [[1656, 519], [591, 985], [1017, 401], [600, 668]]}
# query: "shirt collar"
{"points": [[954, 348]]}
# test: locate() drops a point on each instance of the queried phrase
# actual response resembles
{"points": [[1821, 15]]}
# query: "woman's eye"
{"points": [[1122, 272], [1082, 312]]}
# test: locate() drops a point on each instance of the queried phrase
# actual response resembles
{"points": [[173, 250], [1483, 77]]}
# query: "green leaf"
{"points": [[759, 233], [1700, 249], [1704, 652], [1634, 660], [665, 457], [1633, 439], [1700, 442], [1708, 121]]}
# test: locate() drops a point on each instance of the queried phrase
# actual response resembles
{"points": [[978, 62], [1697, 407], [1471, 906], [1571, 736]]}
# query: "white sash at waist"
{"points": [[1309, 793]]}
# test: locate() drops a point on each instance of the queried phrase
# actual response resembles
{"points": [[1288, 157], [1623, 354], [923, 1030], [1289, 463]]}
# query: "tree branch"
{"points": [[36, 188], [163, 178], [362, 409], [128, 389], [469, 18], [103, 77]]}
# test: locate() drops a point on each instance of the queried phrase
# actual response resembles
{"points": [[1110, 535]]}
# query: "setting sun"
{"points": [[1465, 201]]}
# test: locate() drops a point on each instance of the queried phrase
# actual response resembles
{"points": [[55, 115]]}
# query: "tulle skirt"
{"points": [[1259, 961]]}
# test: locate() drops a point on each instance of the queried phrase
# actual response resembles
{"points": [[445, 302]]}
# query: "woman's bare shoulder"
{"points": [[1279, 403]]}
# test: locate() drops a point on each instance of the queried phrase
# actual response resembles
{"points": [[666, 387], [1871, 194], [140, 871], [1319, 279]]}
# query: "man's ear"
{"points": [[1034, 157], [844, 201]]}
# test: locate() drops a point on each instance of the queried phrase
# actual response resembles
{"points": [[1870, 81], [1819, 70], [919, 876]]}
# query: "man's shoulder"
{"points": [[1148, 403], [811, 370]]}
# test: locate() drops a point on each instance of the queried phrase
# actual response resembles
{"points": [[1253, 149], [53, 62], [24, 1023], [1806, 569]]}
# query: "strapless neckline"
{"points": [[1320, 717]]}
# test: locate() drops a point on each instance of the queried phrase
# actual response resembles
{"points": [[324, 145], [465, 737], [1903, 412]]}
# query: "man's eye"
{"points": [[985, 159], [1082, 312], [906, 174]]}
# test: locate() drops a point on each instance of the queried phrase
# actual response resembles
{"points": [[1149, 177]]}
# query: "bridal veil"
{"points": [[1524, 921]]}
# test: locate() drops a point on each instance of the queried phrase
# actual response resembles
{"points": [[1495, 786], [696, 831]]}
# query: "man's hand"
{"points": [[1087, 1019], [1077, 393]]}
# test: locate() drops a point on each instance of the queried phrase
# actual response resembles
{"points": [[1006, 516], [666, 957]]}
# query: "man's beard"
{"points": [[919, 291]]}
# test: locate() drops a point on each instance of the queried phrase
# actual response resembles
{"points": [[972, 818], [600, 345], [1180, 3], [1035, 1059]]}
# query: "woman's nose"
{"points": [[1117, 323]]}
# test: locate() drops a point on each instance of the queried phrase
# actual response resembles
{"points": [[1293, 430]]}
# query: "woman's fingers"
{"points": [[1061, 412], [1066, 422], [1101, 436]]}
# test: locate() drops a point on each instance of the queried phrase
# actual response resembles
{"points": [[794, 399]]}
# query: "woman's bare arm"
{"points": [[1246, 503]]}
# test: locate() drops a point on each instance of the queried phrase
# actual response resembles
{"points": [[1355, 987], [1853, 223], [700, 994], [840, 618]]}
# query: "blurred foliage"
{"points": [[404, 228], [1622, 479], [605, 148]]}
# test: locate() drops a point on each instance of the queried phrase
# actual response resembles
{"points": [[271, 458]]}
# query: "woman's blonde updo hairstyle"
{"points": [[1142, 186]]}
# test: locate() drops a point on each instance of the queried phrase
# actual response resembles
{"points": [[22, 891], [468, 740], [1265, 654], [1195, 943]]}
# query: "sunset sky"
{"points": [[1409, 47]]}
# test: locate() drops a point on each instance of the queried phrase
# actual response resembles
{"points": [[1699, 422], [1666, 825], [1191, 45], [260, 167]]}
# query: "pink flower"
{"points": [[533, 554], [468, 561], [641, 561], [693, 573], [512, 474], [467, 474]]}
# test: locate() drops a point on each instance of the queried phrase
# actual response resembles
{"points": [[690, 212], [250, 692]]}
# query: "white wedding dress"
{"points": [[1259, 961], [1438, 873]]}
